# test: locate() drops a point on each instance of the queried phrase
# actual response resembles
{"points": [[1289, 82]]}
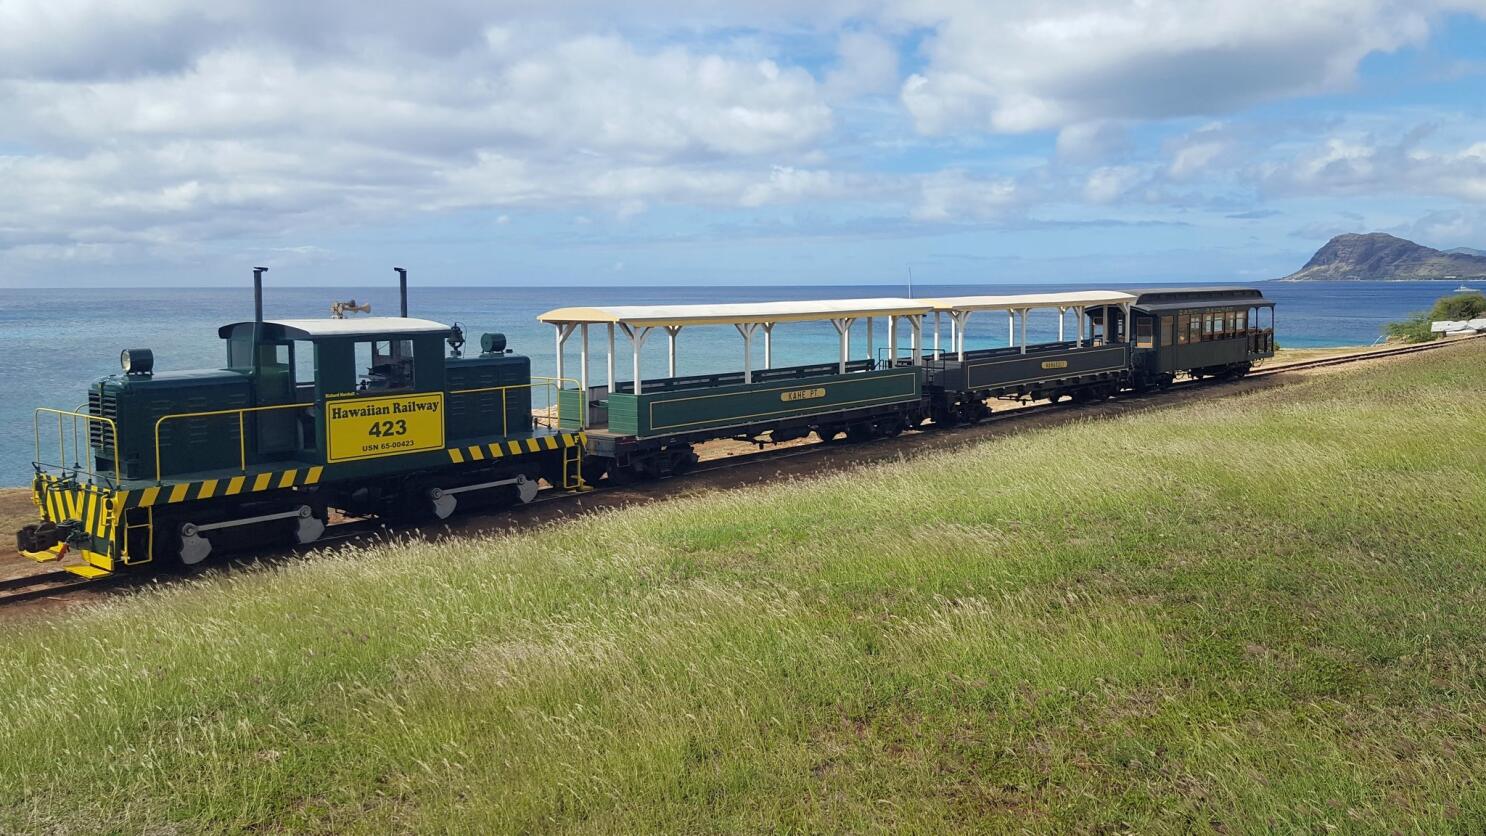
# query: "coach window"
{"points": [[1243, 320], [384, 365], [1143, 333], [1183, 329], [1168, 330]]}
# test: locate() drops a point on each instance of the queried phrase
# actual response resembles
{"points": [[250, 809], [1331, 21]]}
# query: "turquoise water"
{"points": [[52, 342]]}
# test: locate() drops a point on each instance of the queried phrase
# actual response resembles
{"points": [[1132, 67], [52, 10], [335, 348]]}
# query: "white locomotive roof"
{"points": [[1073, 299], [374, 326], [739, 313]]}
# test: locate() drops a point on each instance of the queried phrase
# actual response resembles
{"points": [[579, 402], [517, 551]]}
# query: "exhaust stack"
{"points": [[402, 289], [258, 293]]}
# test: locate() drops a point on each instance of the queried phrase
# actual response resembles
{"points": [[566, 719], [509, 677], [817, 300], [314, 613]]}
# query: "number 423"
{"points": [[382, 429]]}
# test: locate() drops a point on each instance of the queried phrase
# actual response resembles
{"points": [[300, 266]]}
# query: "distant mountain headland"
{"points": [[1380, 257]]}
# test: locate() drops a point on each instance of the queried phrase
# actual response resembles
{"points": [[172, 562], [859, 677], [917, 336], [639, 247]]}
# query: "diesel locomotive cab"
{"points": [[364, 415]]}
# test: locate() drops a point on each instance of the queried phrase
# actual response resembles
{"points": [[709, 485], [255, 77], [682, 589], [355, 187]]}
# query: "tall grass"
{"points": [[1259, 612]]}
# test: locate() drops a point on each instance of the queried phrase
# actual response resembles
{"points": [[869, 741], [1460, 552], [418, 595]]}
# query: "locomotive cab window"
{"points": [[384, 365]]}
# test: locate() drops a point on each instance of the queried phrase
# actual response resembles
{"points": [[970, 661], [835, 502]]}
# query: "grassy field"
{"points": [[1256, 613]]}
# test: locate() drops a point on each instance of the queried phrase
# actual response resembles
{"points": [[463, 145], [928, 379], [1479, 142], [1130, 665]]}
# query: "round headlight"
{"points": [[137, 360]]}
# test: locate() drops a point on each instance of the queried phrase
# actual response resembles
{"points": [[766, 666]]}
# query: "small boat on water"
{"points": [[1464, 289]]}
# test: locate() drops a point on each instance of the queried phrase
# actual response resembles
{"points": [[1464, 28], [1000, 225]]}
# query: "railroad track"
{"points": [[1343, 359], [59, 583], [42, 585]]}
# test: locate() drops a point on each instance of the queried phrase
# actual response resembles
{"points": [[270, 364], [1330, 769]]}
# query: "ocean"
{"points": [[53, 342]]}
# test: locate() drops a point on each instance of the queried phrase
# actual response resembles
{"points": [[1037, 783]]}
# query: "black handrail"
{"points": [[707, 381]]}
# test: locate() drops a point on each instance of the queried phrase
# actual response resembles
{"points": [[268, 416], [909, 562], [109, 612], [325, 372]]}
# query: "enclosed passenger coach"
{"points": [[1202, 331]]}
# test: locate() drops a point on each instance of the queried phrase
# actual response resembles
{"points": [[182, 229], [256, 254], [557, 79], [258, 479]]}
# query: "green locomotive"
{"points": [[363, 416]]}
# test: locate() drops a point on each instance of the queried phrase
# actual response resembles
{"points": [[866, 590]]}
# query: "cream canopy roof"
{"points": [[740, 313], [1075, 299]]}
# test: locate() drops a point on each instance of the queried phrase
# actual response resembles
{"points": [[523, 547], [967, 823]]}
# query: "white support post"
{"points": [[1010, 328], [1129, 325], [964, 318], [583, 378], [561, 338], [611, 380], [671, 332], [1062, 316], [1078, 317], [892, 341], [954, 332], [936, 334], [1024, 330], [768, 344], [583, 370], [747, 332], [917, 324], [871, 343], [843, 330], [636, 342]]}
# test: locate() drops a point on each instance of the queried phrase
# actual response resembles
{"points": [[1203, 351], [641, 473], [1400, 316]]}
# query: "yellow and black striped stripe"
{"points": [[167, 494], [516, 447], [93, 505], [96, 508]]}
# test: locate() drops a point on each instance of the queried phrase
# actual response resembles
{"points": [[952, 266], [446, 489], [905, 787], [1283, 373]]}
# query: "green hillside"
{"points": [[1255, 612]]}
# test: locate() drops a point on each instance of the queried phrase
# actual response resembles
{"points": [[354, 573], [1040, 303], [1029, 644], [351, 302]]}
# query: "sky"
{"points": [[173, 142]]}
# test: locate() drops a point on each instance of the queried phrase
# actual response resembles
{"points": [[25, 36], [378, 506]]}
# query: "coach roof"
{"points": [[737, 313]]}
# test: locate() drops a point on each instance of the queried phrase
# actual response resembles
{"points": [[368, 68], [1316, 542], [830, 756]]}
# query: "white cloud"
{"points": [[1014, 67], [956, 196], [162, 129], [1110, 183], [868, 65], [1092, 141], [260, 139], [1350, 166]]}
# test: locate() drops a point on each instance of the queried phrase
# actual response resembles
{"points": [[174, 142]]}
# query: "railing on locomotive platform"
{"points": [[81, 452], [550, 415]]}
